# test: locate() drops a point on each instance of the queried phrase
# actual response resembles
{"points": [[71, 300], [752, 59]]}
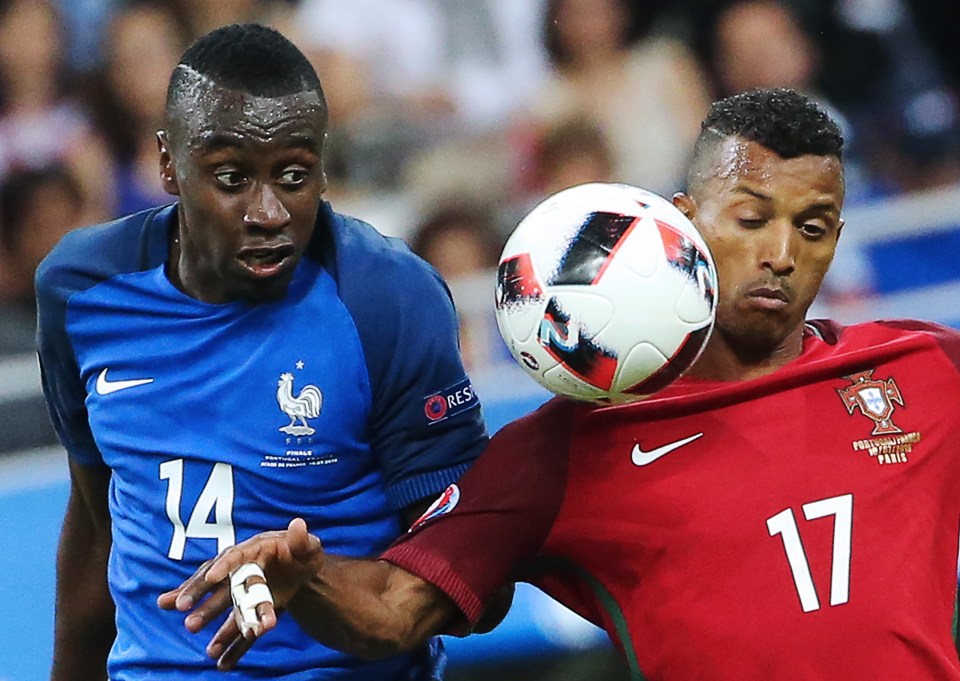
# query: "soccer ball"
{"points": [[605, 293]]}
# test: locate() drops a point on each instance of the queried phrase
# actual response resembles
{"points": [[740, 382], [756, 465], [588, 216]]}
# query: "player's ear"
{"points": [[168, 174], [686, 204]]}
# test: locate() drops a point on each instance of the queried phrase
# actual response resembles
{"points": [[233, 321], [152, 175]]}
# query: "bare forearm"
{"points": [[80, 649], [370, 609], [84, 623], [366, 608]]}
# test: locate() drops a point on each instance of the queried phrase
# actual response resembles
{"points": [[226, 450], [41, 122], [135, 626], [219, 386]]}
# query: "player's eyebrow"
{"points": [[218, 141], [825, 205], [753, 192], [822, 207], [304, 140]]}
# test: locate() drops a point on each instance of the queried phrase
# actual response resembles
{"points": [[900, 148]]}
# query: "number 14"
{"points": [[216, 499], [785, 524]]}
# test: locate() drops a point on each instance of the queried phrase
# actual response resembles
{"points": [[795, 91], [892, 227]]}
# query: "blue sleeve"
{"points": [[426, 426], [63, 389], [82, 259]]}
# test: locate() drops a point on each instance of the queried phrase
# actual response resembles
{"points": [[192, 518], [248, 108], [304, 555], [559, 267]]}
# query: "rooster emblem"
{"points": [[304, 406]]}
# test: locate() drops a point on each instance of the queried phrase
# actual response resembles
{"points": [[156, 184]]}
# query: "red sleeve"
{"points": [[948, 339], [486, 528]]}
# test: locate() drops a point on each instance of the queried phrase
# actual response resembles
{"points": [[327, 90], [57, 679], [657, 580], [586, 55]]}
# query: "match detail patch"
{"points": [[445, 503], [451, 401]]}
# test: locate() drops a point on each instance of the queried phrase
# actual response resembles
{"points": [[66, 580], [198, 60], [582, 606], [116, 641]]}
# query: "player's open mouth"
{"points": [[267, 261]]}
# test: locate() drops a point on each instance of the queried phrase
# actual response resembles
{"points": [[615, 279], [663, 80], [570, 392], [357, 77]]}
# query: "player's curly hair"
{"points": [[249, 57], [782, 120]]}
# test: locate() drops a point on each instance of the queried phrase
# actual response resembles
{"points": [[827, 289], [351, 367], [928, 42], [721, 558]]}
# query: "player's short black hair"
{"points": [[783, 120], [252, 58]]}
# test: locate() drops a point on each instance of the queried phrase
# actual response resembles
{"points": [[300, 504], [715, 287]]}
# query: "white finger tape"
{"points": [[247, 598], [256, 594], [240, 575]]}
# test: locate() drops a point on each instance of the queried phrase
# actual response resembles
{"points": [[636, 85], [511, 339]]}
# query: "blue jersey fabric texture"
{"points": [[343, 403]]}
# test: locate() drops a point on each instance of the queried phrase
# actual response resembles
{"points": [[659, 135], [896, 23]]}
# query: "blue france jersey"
{"points": [[342, 403]]}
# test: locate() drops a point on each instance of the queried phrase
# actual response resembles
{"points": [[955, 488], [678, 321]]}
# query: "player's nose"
{"points": [[266, 210], [779, 247]]}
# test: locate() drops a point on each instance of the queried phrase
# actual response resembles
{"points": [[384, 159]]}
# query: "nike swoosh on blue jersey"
{"points": [[105, 387]]}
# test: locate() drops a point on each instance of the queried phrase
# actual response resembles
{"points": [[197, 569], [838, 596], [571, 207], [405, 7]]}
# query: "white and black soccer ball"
{"points": [[606, 293]]}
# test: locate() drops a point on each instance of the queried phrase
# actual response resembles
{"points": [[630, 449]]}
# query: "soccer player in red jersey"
{"points": [[787, 510]]}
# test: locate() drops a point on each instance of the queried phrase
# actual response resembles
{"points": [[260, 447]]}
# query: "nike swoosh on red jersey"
{"points": [[642, 458]]}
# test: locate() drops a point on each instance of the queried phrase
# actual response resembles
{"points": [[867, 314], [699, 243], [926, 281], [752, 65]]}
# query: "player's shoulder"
{"points": [[550, 422], [380, 261], [946, 338], [882, 331], [89, 255]]}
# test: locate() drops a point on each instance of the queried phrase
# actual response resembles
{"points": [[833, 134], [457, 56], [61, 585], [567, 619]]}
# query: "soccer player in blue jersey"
{"points": [[244, 356]]}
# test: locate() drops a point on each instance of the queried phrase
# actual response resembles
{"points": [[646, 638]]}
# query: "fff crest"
{"points": [[306, 405], [876, 399]]}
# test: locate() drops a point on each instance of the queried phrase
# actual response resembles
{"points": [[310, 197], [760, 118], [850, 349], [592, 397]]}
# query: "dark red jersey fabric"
{"points": [[803, 525]]}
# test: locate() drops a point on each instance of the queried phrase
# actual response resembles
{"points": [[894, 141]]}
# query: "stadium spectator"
{"points": [[725, 528], [459, 240], [462, 241], [573, 152], [37, 207], [475, 60], [764, 44], [760, 43], [85, 24], [427, 88], [40, 124], [202, 16], [886, 78], [567, 153], [214, 366], [938, 21], [644, 90], [143, 43]]}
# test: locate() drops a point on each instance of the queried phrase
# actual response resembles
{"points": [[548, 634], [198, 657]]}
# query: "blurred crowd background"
{"points": [[450, 119]]}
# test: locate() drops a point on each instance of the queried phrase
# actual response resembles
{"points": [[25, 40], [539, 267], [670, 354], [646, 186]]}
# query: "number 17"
{"points": [[785, 524]]}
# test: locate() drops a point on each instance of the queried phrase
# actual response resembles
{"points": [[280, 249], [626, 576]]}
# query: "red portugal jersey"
{"points": [[799, 526]]}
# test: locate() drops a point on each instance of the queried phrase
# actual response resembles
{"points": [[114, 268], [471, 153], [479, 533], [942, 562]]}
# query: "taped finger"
{"points": [[247, 598], [239, 576]]}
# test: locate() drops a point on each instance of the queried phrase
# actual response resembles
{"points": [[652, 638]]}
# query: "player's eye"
{"points": [[293, 177], [813, 230], [230, 179], [751, 222]]}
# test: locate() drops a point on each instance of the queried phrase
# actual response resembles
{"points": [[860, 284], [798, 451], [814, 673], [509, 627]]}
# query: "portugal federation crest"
{"points": [[875, 399]]}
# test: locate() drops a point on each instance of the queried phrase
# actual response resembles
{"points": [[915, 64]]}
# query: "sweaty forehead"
{"points": [[742, 164], [205, 111]]}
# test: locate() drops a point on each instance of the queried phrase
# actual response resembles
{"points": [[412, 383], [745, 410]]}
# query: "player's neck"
{"points": [[725, 360]]}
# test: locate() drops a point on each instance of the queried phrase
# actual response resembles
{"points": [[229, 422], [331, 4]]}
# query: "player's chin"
{"points": [[260, 285], [757, 334]]}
